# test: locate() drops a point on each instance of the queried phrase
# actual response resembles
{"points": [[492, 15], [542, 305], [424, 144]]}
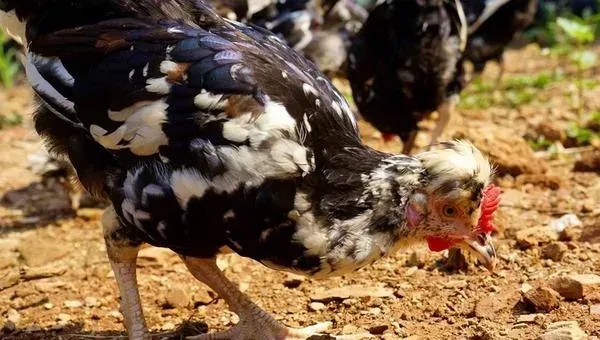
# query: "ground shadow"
{"points": [[75, 332]]}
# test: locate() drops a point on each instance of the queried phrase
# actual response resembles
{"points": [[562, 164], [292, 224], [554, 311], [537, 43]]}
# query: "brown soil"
{"points": [[56, 283]]}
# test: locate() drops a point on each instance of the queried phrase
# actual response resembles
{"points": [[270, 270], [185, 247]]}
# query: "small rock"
{"points": [[203, 297], [73, 303], [378, 330], [316, 306], [9, 280], [564, 222], [63, 317], [577, 286], [8, 327], [530, 237], [48, 305], [456, 284], [37, 252], [167, 326], [542, 299], [154, 257], [490, 306], [90, 214], [293, 281], [595, 309], [525, 287], [554, 251], [91, 301], [44, 272], [346, 292], [417, 259], [551, 131], [529, 318], [13, 316], [589, 162], [563, 330], [349, 329], [375, 311], [176, 297]]}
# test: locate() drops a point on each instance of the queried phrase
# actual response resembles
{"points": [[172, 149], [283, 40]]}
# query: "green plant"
{"points": [[541, 143], [577, 35], [582, 135], [9, 66], [13, 120]]}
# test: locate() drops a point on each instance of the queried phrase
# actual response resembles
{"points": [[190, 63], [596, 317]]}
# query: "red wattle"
{"points": [[489, 203], [388, 137], [440, 244]]}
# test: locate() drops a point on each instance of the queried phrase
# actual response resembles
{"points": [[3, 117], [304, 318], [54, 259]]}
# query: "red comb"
{"points": [[489, 204], [387, 137]]}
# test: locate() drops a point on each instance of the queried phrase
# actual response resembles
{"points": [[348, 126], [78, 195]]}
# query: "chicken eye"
{"points": [[449, 211]]}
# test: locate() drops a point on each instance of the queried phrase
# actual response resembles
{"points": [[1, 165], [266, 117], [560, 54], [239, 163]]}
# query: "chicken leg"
{"points": [[255, 323], [122, 256], [445, 111]]}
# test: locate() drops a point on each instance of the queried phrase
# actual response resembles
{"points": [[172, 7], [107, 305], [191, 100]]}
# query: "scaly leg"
{"points": [[122, 256], [255, 323], [409, 143], [502, 68], [445, 111]]}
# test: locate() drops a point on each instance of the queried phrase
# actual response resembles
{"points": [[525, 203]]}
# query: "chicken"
{"points": [[209, 136], [492, 26], [405, 63], [320, 30]]}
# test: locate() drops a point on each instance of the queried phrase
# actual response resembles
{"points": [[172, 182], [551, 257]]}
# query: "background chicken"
{"points": [[405, 63], [492, 26], [209, 136]]}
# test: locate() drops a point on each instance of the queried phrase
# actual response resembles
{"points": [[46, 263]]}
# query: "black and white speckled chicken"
{"points": [[406, 62], [209, 136], [492, 26]]}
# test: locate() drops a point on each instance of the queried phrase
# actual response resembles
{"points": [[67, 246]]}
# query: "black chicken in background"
{"points": [[406, 62], [493, 24]]}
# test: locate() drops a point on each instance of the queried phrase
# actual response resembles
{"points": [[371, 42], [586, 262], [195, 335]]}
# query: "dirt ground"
{"points": [[56, 283]]}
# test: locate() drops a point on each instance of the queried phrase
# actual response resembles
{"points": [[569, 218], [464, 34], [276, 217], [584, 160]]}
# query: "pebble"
{"points": [[293, 281], [530, 237], [48, 305], [167, 326], [489, 306], [37, 252], [529, 318], [456, 284], [176, 297], [356, 291], [566, 221], [595, 309], [203, 297], [13, 316], [542, 299], [91, 301], [574, 287], [378, 329], [554, 251], [316, 306], [73, 303], [8, 327], [63, 317], [349, 329], [525, 287], [563, 330]]}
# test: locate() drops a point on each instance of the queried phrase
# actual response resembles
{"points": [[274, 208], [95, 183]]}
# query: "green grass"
{"points": [[9, 66], [13, 120]]}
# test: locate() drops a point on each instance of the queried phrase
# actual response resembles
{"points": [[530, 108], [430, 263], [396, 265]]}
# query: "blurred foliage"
{"points": [[9, 65], [518, 90], [13, 120]]}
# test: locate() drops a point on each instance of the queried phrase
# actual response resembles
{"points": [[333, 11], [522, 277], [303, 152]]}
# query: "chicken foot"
{"points": [[122, 257], [255, 323]]}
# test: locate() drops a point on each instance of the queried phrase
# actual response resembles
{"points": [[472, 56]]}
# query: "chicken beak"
{"points": [[482, 246]]}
